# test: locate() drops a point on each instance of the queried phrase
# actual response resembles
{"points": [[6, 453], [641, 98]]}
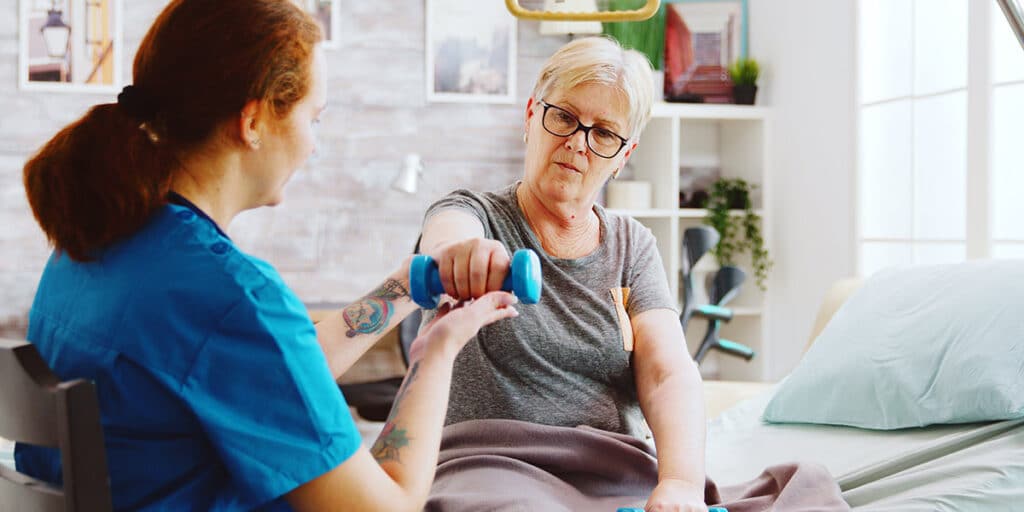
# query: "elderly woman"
{"points": [[603, 347]]}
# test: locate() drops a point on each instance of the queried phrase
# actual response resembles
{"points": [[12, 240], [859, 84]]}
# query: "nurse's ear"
{"points": [[251, 125]]}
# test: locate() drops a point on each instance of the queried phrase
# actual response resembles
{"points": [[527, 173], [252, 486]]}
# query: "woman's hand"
{"points": [[472, 267], [456, 323], [673, 495]]}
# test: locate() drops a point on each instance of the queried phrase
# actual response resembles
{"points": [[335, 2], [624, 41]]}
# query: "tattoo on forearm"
{"points": [[392, 439], [372, 313]]}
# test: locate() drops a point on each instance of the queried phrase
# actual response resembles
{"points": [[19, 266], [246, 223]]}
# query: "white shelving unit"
{"points": [[733, 138]]}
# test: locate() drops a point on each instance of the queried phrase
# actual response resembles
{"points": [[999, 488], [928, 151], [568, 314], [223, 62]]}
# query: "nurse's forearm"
{"points": [[407, 447], [347, 334]]}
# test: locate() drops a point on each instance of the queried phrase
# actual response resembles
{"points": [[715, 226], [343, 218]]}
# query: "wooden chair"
{"points": [[36, 408]]}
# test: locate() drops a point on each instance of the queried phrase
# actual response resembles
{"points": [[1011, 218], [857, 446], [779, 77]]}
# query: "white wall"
{"points": [[808, 49], [341, 228]]}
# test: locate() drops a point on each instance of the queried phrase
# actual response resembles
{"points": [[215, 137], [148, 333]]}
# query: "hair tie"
{"points": [[137, 104]]}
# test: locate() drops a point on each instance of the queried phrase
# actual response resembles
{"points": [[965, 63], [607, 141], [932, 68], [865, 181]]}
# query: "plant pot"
{"points": [[737, 199], [744, 94]]}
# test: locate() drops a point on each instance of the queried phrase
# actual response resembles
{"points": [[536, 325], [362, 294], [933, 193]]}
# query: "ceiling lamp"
{"points": [[550, 14], [56, 33]]}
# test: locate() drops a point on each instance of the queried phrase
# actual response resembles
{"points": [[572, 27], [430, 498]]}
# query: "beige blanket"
{"points": [[507, 465]]}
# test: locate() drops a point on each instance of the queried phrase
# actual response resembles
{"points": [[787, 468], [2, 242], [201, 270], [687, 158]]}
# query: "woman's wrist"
{"points": [[434, 351]]}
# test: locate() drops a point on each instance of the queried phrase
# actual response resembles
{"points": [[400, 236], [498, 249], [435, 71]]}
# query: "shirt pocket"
{"points": [[620, 296]]}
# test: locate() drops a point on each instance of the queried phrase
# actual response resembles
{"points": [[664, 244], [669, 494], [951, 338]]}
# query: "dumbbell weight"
{"points": [[523, 280]]}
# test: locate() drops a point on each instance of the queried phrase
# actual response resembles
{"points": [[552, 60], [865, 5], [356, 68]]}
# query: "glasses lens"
{"points": [[560, 122], [604, 142]]}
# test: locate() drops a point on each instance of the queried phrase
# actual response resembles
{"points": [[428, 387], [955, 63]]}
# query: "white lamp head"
{"points": [[408, 178], [56, 34]]}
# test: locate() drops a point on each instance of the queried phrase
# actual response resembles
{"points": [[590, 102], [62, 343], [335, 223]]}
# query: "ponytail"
{"points": [[97, 181], [100, 179]]}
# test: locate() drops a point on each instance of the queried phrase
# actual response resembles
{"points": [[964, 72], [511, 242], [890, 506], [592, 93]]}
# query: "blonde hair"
{"points": [[601, 60]]}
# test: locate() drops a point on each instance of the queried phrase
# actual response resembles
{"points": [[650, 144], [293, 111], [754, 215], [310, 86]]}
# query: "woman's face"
{"points": [[290, 141], [566, 169]]}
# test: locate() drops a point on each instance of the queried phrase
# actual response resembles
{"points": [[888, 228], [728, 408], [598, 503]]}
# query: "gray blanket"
{"points": [[507, 465]]}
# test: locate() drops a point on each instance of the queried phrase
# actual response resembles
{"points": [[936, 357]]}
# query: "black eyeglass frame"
{"points": [[579, 126]]}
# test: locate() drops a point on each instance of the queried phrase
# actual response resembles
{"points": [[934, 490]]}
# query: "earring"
{"points": [[256, 143]]}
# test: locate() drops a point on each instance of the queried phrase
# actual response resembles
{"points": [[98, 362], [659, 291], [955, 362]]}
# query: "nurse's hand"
{"points": [[456, 323], [472, 267]]}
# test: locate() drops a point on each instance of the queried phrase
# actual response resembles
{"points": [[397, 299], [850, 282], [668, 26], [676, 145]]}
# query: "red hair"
{"points": [[102, 177]]}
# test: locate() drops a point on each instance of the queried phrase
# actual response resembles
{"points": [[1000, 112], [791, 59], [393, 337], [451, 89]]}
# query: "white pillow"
{"points": [[916, 346]]}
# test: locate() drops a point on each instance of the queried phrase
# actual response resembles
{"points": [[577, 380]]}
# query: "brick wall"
{"points": [[341, 228]]}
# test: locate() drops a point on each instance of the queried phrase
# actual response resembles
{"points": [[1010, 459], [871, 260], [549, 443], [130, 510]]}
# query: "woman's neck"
{"points": [[565, 230], [212, 185]]}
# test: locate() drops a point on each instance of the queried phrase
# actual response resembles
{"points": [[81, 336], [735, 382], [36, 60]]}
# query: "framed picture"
{"points": [[70, 45], [327, 13], [702, 38], [471, 52]]}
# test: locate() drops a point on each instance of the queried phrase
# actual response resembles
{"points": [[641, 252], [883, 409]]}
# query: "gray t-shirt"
{"points": [[561, 361]]}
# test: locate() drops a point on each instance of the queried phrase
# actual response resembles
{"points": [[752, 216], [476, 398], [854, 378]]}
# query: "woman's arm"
{"points": [[455, 239], [348, 333], [669, 387], [396, 473], [470, 265]]}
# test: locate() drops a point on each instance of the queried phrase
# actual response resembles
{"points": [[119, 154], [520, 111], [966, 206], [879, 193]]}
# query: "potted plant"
{"points": [[739, 233], [744, 73]]}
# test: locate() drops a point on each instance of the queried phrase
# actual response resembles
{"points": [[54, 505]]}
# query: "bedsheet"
{"points": [[978, 466]]}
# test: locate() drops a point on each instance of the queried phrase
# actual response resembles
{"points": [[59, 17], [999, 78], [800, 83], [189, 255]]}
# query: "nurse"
{"points": [[216, 391]]}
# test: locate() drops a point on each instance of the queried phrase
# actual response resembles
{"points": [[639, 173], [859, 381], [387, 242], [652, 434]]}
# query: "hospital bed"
{"points": [[956, 467]]}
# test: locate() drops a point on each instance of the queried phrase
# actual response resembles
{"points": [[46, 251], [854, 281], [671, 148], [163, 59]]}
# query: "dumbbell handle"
{"points": [[523, 279]]}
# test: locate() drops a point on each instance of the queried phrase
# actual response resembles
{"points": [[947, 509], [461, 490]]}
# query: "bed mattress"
{"points": [[978, 466]]}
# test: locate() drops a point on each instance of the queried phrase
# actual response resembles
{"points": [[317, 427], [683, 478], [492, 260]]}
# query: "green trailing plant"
{"points": [[739, 233], [744, 71], [646, 36]]}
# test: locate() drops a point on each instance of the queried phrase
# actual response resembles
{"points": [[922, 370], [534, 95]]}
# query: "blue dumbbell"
{"points": [[523, 279]]}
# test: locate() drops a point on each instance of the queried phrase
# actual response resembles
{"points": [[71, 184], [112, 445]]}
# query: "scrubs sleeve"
{"points": [[263, 392]]}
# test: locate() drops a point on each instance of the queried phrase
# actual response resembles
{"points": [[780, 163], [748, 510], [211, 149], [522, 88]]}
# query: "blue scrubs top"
{"points": [[214, 393]]}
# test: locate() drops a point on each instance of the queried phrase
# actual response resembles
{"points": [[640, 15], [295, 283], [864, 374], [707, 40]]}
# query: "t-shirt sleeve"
{"points": [[261, 388], [465, 200], [648, 287]]}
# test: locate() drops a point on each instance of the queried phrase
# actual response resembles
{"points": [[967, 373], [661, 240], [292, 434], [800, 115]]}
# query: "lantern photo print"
{"points": [[70, 45]]}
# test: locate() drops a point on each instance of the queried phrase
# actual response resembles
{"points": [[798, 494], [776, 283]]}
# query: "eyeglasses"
{"points": [[562, 123]]}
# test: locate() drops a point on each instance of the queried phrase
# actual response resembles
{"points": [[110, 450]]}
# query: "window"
{"points": [[932, 187]]}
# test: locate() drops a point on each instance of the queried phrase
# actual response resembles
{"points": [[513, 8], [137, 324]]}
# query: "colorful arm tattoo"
{"points": [[393, 439], [372, 313]]}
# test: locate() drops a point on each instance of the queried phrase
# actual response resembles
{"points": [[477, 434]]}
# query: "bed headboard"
{"points": [[835, 297]]}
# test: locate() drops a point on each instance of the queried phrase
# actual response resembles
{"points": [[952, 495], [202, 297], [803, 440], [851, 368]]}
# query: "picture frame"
{"points": [[470, 52], [56, 56], [328, 14], [702, 38]]}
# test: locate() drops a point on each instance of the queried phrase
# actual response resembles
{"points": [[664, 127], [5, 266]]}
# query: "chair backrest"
{"points": [[407, 332], [36, 408]]}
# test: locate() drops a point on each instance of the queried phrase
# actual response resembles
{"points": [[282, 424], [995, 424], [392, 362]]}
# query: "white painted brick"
{"points": [[341, 229]]}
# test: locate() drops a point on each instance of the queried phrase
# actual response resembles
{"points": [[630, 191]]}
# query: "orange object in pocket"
{"points": [[620, 296]]}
